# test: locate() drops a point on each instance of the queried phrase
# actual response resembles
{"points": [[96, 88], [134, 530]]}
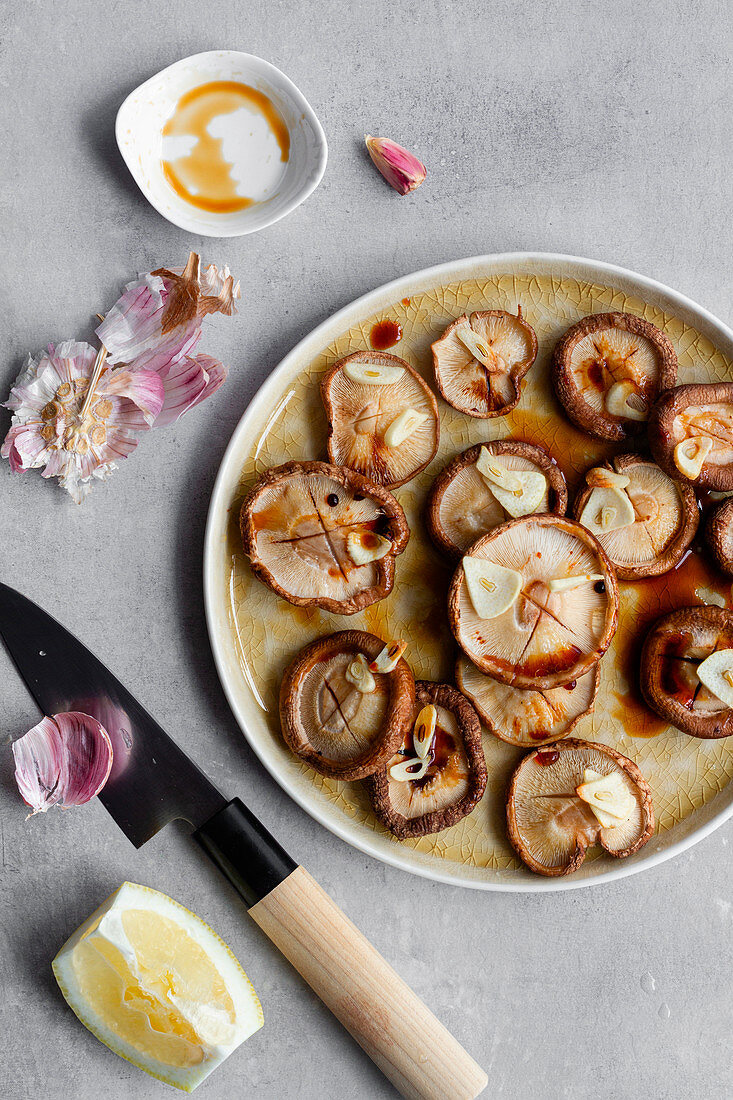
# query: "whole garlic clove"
{"points": [[364, 547], [63, 761], [403, 426], [401, 169], [689, 455]]}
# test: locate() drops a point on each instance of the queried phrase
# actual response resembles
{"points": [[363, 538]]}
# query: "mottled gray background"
{"points": [[596, 129]]}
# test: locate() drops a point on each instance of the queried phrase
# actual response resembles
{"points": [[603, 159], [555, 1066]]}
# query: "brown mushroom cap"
{"points": [[360, 414], [525, 717], [544, 640], [672, 650], [295, 523], [551, 828], [461, 506], [601, 350], [666, 519], [328, 722], [465, 383], [455, 781], [694, 411], [719, 535]]}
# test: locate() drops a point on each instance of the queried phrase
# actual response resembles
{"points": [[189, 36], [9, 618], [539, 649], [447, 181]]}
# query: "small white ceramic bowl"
{"points": [[140, 122]]}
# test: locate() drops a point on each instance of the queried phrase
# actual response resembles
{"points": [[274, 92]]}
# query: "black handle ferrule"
{"points": [[244, 851]]}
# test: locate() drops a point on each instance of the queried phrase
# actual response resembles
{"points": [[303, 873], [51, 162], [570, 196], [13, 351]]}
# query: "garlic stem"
{"points": [[96, 373]]}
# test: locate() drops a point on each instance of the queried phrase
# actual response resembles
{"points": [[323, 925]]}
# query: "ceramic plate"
{"points": [[254, 634]]}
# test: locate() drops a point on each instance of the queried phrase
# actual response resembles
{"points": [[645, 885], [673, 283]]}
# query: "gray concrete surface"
{"points": [[596, 129]]}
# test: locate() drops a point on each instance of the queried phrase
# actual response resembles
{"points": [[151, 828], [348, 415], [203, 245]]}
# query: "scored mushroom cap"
{"points": [[608, 370], [666, 517], [551, 828], [673, 649], [473, 387], [461, 506], [702, 412], [525, 717], [367, 421], [544, 639], [719, 535], [454, 782], [295, 526], [328, 722]]}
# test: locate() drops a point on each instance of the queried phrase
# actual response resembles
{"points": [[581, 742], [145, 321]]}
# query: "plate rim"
{"points": [[347, 831]]}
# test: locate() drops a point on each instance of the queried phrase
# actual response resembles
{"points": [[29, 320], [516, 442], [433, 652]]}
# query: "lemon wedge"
{"points": [[157, 986]]}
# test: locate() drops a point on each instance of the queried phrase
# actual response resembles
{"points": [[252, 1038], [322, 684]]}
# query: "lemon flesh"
{"points": [[157, 986]]}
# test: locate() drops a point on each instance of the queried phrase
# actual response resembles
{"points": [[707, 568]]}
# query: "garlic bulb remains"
{"points": [[63, 761]]}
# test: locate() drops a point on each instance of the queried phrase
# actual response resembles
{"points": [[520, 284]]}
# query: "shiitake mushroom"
{"points": [[607, 371], [719, 535], [551, 826], [691, 434], [414, 795], [323, 535], [382, 418]]}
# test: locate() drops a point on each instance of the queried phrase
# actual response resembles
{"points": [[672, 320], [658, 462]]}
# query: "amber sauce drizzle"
{"points": [[385, 334], [203, 178]]}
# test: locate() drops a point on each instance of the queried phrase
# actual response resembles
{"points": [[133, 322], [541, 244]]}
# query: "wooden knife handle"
{"points": [[411, 1047]]}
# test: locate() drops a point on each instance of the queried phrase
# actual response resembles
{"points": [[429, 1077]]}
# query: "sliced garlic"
{"points": [[359, 674], [493, 470], [567, 584], [372, 374], [601, 478], [492, 588], [424, 731], [623, 399], [410, 769], [366, 546], [690, 454], [480, 350], [528, 500], [716, 674], [403, 426], [608, 797], [607, 510], [388, 658]]}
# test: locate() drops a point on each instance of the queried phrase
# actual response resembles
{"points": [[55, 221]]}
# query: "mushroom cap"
{"points": [[544, 640], [455, 781], [694, 411], [666, 519], [328, 722], [601, 350], [526, 717], [359, 414], [719, 535], [461, 506], [676, 644], [295, 522], [465, 383], [551, 828]]}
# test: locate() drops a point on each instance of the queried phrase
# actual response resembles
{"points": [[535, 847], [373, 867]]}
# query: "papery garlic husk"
{"points": [[401, 169], [63, 761]]}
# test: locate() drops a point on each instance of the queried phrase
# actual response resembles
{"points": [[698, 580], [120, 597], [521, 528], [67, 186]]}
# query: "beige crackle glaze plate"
{"points": [[255, 634]]}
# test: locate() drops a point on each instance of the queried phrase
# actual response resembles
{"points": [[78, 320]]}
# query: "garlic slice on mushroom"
{"points": [[492, 588], [690, 454], [412, 768], [63, 761], [519, 492], [493, 470], [479, 349], [608, 797], [388, 658], [367, 546], [359, 674], [607, 510], [403, 426], [372, 374], [716, 674], [424, 731], [567, 584], [602, 477], [623, 399]]}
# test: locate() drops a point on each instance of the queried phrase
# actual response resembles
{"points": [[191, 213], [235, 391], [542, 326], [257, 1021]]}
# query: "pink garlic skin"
{"points": [[401, 169], [63, 761]]}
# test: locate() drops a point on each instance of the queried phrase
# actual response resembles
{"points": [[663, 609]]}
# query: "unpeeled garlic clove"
{"points": [[403, 426], [689, 455], [366, 546], [63, 761], [359, 674], [401, 169]]}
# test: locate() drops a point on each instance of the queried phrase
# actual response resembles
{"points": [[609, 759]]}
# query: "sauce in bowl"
{"points": [[225, 147]]}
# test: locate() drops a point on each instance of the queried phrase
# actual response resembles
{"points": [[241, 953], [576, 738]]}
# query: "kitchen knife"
{"points": [[153, 782]]}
